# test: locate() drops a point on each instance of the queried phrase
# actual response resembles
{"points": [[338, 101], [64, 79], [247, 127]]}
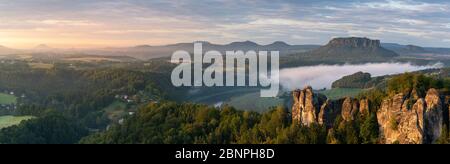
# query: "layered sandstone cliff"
{"points": [[355, 42], [312, 108], [307, 106], [410, 119], [405, 118]]}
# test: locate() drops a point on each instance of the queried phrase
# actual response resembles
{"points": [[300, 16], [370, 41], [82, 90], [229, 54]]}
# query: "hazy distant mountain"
{"points": [[404, 49], [413, 49], [352, 48], [341, 49], [7, 51], [148, 52], [43, 48], [445, 51]]}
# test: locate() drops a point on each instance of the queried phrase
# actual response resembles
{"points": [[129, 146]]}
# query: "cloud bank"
{"points": [[131, 22]]}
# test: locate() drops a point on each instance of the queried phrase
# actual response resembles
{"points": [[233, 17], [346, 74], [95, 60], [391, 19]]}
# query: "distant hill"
{"points": [[358, 80], [99, 58], [365, 80], [352, 48], [339, 50], [145, 52], [413, 49], [44, 48], [7, 51]]}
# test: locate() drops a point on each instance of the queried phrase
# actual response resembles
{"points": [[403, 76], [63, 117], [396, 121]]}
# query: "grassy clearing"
{"points": [[254, 102], [7, 121], [337, 93], [116, 110], [7, 99]]}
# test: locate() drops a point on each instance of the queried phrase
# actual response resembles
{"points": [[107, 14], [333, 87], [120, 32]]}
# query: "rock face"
{"points": [[400, 124], [329, 112], [447, 110], [350, 109], [307, 106], [311, 108], [434, 115], [364, 107], [355, 42], [405, 120]]}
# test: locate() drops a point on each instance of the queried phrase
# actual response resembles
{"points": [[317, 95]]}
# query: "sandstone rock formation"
{"points": [[350, 109], [311, 108], [307, 106], [355, 42], [364, 107], [329, 112], [434, 115], [405, 120]]}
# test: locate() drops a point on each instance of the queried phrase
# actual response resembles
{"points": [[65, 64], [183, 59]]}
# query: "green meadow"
{"points": [[7, 121], [7, 99]]}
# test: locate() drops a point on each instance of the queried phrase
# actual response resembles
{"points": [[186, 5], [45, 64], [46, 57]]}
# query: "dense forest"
{"points": [[52, 128], [79, 93], [69, 107], [172, 123]]}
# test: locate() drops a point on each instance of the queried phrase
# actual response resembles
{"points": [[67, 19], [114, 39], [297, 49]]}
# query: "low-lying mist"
{"points": [[322, 76]]}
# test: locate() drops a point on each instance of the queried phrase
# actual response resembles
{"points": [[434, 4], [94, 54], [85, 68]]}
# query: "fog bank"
{"points": [[322, 76]]}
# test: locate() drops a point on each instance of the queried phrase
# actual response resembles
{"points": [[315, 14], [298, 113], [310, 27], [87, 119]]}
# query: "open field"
{"points": [[253, 102], [41, 65], [337, 93], [7, 121], [7, 99]]}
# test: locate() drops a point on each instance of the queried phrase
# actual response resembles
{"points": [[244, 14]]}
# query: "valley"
{"points": [[99, 94]]}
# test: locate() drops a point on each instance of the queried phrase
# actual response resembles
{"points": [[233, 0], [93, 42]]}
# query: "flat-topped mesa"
{"points": [[355, 42], [349, 49]]}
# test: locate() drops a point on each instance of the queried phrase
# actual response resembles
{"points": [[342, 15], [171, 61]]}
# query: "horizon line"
{"points": [[105, 46]]}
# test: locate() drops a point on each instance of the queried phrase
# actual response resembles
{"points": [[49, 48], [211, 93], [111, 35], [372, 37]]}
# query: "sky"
{"points": [[120, 23]]}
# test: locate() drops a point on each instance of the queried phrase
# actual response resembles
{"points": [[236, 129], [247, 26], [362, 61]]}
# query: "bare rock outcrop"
{"points": [[329, 111], [434, 115], [405, 118], [355, 42], [350, 109], [364, 107], [307, 106], [408, 119]]}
